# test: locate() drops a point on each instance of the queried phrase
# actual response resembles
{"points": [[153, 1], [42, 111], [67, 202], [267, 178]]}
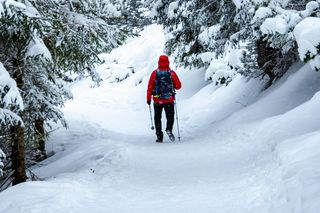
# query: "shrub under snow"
{"points": [[223, 70]]}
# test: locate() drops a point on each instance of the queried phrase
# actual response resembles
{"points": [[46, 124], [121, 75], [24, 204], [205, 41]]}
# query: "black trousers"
{"points": [[169, 110]]}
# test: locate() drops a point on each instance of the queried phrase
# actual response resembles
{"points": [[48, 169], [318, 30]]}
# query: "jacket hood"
{"points": [[163, 62]]}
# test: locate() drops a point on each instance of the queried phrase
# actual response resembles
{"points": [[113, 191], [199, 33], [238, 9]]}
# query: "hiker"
{"points": [[162, 85]]}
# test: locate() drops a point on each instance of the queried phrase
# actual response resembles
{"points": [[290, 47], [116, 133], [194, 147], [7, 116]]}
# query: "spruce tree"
{"points": [[276, 48], [195, 28], [133, 12], [14, 39], [199, 30], [45, 43], [10, 105]]}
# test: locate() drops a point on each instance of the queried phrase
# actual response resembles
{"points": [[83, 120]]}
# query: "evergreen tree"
{"points": [[11, 101], [195, 27], [198, 33], [134, 14], [10, 105], [276, 47], [14, 39], [45, 43]]}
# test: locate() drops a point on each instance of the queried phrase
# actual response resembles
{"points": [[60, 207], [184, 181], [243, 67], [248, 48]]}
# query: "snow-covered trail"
{"points": [[228, 160], [125, 173]]}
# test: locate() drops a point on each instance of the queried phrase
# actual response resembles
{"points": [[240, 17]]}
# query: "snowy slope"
{"points": [[242, 150]]}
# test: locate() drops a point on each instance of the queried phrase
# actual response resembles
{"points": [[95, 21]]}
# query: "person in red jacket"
{"points": [[161, 87]]}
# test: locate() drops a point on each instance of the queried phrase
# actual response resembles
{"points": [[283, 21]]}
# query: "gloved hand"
{"points": [[148, 102]]}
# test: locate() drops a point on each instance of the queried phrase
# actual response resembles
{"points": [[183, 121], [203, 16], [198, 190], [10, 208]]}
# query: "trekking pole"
{"points": [[152, 127], [176, 109]]}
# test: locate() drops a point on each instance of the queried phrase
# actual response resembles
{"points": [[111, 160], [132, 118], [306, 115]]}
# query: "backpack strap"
{"points": [[155, 91]]}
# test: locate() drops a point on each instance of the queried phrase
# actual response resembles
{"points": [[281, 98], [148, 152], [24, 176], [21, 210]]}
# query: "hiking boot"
{"points": [[159, 137], [171, 136], [159, 140]]}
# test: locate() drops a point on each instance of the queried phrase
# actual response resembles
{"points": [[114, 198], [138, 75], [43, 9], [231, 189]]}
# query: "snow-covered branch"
{"points": [[284, 29], [11, 99], [223, 69], [307, 35]]}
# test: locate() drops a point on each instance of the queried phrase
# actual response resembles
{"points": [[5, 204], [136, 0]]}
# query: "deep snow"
{"points": [[242, 150]]}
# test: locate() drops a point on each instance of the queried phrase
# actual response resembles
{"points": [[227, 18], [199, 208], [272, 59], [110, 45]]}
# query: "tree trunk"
{"points": [[266, 59], [40, 138], [17, 135], [18, 154]]}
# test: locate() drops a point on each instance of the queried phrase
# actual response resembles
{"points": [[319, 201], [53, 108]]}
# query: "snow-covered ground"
{"points": [[242, 150]]}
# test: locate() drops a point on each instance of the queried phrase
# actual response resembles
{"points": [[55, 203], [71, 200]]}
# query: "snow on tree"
{"points": [[197, 31], [307, 35], [266, 26], [10, 104], [20, 19], [283, 29], [195, 28], [11, 101], [134, 13], [46, 45], [80, 30], [223, 69], [287, 28], [278, 23]]}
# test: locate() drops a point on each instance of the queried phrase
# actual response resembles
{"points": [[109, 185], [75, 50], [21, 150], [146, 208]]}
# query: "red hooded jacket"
{"points": [[163, 64]]}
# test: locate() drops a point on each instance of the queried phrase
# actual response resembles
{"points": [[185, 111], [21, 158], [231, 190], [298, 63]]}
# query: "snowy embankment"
{"points": [[242, 150]]}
